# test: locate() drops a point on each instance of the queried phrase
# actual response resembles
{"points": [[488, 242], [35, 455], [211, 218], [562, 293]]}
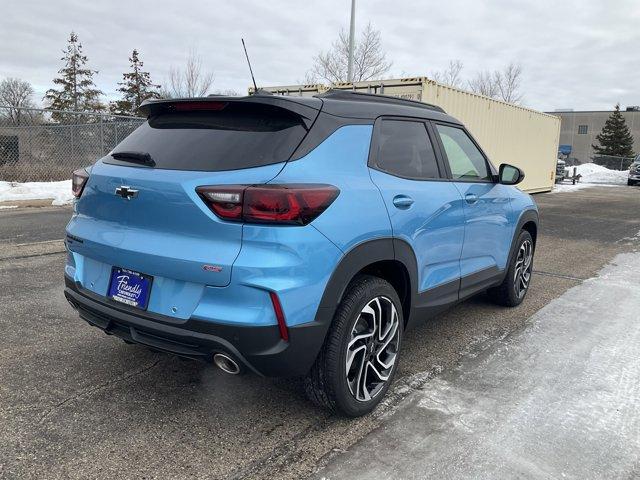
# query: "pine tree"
{"points": [[76, 91], [615, 138], [136, 87]]}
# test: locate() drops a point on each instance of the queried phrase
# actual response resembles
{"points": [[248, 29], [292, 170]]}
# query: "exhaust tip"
{"points": [[226, 364], [72, 303]]}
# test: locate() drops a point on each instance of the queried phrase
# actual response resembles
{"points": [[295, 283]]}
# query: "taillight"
{"points": [[78, 181], [294, 204]]}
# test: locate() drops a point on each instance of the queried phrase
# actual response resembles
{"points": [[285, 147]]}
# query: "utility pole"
{"points": [[352, 33]]}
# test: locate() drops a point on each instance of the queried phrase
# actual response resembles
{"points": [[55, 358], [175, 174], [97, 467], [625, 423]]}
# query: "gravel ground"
{"points": [[76, 404]]}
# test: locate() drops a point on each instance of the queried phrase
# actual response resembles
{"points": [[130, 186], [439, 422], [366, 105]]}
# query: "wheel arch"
{"points": [[531, 227], [387, 258], [528, 221]]}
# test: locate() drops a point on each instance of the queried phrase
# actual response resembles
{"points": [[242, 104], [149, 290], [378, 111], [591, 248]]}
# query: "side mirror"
{"points": [[510, 175]]}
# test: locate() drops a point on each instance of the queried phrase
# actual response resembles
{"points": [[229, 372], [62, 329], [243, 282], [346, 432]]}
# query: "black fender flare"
{"points": [[529, 215], [355, 260]]}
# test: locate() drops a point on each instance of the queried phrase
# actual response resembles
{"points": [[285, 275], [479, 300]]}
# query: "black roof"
{"points": [[346, 103], [341, 103], [375, 97]]}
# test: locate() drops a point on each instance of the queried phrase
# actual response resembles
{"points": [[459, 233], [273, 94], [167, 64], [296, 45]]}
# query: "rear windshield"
{"points": [[240, 135]]}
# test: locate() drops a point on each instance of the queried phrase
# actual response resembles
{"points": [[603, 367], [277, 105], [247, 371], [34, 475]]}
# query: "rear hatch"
{"points": [[164, 229]]}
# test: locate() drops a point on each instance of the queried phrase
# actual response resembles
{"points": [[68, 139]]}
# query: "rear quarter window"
{"points": [[241, 135]]}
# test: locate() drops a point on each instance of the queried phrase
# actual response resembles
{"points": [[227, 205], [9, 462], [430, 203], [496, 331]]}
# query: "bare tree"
{"points": [[501, 84], [452, 75], [191, 82], [370, 60], [15, 94], [484, 83], [509, 83]]}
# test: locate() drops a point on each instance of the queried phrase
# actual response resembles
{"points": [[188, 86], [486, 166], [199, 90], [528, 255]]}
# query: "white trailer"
{"points": [[507, 133]]}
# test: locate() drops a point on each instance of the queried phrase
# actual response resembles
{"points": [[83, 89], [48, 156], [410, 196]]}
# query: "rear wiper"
{"points": [[142, 158]]}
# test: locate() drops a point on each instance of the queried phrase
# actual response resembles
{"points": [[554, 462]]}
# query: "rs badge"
{"points": [[212, 268]]}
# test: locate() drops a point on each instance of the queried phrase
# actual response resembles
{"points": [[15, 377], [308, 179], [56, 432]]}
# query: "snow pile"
{"points": [[59, 192], [593, 173]]}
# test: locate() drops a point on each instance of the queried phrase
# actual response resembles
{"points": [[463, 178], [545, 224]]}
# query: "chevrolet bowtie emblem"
{"points": [[126, 192]]}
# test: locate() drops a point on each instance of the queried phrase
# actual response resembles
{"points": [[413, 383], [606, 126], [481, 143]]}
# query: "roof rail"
{"points": [[339, 94]]}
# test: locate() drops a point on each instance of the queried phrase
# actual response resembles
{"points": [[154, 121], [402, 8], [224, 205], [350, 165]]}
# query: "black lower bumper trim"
{"points": [[259, 349]]}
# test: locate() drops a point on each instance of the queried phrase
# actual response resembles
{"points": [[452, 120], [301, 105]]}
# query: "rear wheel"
{"points": [[514, 287], [358, 361]]}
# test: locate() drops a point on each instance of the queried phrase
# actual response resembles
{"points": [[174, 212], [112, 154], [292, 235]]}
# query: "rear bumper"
{"points": [[259, 349]]}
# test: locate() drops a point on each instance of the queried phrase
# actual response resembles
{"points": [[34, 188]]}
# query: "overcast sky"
{"points": [[574, 54]]}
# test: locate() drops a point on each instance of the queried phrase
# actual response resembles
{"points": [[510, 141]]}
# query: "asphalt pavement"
{"points": [[28, 225], [75, 403]]}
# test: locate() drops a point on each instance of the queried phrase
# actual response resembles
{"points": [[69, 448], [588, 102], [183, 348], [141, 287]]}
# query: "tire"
{"points": [[630, 183], [345, 391], [514, 287]]}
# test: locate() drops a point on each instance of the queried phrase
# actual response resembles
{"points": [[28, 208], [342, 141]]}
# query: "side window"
{"points": [[404, 150], [465, 160]]}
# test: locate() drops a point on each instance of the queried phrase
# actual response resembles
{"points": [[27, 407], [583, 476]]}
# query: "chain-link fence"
{"points": [[613, 163], [47, 145]]}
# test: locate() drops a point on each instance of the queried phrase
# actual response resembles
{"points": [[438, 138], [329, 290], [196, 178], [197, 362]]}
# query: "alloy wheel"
{"points": [[372, 349], [524, 262]]}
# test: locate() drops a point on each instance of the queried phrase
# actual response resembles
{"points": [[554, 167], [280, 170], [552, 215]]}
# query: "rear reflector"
{"points": [[277, 309], [78, 181], [293, 204]]}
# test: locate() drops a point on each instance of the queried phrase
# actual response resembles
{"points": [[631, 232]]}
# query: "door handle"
{"points": [[402, 201], [470, 198]]}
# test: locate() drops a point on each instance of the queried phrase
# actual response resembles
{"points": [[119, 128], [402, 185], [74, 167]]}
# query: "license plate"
{"points": [[132, 288]]}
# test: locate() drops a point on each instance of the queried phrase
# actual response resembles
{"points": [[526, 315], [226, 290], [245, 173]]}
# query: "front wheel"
{"points": [[630, 183], [359, 358], [514, 287]]}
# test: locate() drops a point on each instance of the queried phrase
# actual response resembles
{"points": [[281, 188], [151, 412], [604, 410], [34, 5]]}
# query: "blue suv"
{"points": [[293, 236]]}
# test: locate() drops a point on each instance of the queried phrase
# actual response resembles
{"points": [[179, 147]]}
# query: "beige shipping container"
{"points": [[507, 133]]}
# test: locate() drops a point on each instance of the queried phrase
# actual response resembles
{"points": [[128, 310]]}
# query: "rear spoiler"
{"points": [[307, 108]]}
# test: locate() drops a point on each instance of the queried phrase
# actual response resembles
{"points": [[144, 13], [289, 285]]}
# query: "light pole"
{"points": [[352, 32]]}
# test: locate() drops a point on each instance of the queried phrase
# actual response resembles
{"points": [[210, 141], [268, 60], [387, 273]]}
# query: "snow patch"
{"points": [[630, 240], [563, 187], [58, 192]]}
